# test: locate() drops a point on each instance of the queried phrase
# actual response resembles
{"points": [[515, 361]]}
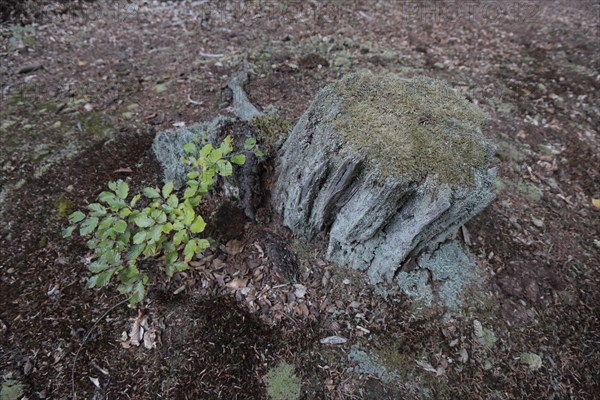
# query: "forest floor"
{"points": [[83, 90]]}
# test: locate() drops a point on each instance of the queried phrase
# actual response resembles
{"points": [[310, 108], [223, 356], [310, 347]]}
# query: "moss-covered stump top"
{"points": [[411, 128]]}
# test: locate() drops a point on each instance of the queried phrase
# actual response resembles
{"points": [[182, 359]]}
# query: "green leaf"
{"points": [[88, 226], [161, 218], [155, 214], [106, 197], [182, 266], [139, 237], [92, 244], [190, 148], [249, 143], [205, 151], [77, 216], [167, 189], [113, 201], [105, 223], [207, 176], [112, 185], [193, 174], [143, 221], [125, 212], [189, 250], [120, 226], [97, 267], [224, 168], [135, 199], [123, 239], [92, 281], [190, 192], [125, 287], [105, 234], [151, 193], [171, 257], [67, 232], [167, 228], [180, 237], [170, 270], [259, 153], [203, 244], [226, 146], [189, 214], [198, 225], [215, 156], [122, 189], [130, 273], [150, 249], [238, 159], [138, 294], [156, 233], [104, 277], [194, 201], [135, 251], [173, 201]]}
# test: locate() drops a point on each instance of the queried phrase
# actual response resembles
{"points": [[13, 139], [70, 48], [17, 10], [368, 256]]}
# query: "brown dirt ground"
{"points": [[115, 73]]}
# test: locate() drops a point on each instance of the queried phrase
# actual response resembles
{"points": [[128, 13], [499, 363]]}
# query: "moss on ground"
{"points": [[63, 206], [412, 127], [11, 390], [283, 383]]}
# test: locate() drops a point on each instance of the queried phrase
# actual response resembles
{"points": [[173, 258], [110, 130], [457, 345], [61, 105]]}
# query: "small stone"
{"points": [[487, 365], [477, 328], [537, 222]]}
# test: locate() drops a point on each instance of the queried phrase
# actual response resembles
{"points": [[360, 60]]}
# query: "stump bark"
{"points": [[384, 168]]}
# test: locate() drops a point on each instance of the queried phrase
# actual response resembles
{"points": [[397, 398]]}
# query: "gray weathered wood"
{"points": [[371, 220]]}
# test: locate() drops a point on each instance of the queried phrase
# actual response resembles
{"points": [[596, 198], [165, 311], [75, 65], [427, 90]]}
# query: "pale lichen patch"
{"points": [[411, 127]]}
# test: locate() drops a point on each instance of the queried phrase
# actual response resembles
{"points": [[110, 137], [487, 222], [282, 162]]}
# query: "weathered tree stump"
{"points": [[384, 168]]}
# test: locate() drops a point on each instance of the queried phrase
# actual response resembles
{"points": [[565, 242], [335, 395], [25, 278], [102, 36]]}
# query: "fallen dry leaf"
{"points": [[426, 366], [237, 283], [95, 381], [596, 203], [136, 333], [300, 290], [233, 247]]}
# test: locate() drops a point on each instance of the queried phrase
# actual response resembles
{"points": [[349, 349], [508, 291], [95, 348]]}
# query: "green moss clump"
{"points": [[411, 127], [63, 206], [95, 126], [11, 390], [282, 383], [271, 127]]}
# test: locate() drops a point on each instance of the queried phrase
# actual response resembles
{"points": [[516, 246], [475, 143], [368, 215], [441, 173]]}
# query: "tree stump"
{"points": [[384, 168]]}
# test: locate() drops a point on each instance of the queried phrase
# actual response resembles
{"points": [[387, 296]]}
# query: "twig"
{"points": [[209, 55], [85, 338], [198, 103]]}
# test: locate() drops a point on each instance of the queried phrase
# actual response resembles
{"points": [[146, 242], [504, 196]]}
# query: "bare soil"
{"points": [[84, 91]]}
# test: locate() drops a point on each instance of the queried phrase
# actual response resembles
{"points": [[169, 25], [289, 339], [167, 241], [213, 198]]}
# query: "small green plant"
{"points": [[125, 232], [283, 383], [22, 35]]}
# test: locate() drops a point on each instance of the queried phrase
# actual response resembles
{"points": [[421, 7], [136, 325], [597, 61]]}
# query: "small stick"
{"points": [[198, 103], [85, 338]]}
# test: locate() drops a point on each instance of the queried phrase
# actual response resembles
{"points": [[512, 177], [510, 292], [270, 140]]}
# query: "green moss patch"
{"points": [[271, 127], [11, 390], [282, 383], [411, 127], [63, 206]]}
